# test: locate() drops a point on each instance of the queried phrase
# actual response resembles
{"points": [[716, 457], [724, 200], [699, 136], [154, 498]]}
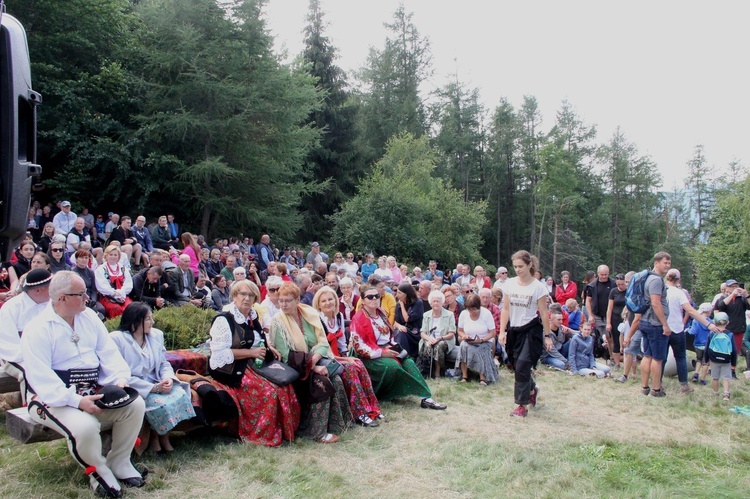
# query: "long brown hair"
{"points": [[528, 259], [188, 239]]}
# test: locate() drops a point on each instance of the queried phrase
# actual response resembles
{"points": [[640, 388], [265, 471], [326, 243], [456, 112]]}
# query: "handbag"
{"points": [[276, 372], [334, 367]]}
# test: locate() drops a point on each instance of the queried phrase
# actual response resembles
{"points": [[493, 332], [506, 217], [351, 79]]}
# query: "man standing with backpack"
{"points": [[654, 326]]}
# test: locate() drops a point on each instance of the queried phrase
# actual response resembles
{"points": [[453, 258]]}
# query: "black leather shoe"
{"points": [[431, 404], [101, 492]]}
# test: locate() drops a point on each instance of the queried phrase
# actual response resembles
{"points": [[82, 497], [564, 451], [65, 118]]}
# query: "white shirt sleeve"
{"points": [[221, 343]]}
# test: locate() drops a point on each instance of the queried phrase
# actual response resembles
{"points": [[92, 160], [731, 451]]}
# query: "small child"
{"points": [[722, 353], [631, 351], [700, 334], [574, 315], [581, 355]]}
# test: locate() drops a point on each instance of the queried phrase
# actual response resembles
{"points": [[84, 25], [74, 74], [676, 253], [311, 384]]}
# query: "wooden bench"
{"points": [[8, 384], [21, 427]]}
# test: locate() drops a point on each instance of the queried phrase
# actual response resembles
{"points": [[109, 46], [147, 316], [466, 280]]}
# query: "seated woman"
{"points": [[82, 258], [348, 301], [220, 294], [23, 264], [297, 328], [268, 414], [271, 302], [438, 335], [214, 265], [48, 232], [476, 329], [167, 399], [372, 340], [56, 255], [113, 283], [581, 354], [409, 313], [363, 403]]}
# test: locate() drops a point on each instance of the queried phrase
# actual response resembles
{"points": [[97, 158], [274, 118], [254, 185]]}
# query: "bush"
{"points": [[184, 327]]}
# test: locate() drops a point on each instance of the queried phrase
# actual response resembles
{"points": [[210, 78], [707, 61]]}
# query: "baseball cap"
{"points": [[65, 203], [730, 282], [721, 318]]}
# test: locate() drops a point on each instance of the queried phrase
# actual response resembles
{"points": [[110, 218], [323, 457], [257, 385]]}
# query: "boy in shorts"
{"points": [[721, 361], [631, 349], [700, 334]]}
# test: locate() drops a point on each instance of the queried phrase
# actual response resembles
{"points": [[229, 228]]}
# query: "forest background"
{"points": [[182, 106]]}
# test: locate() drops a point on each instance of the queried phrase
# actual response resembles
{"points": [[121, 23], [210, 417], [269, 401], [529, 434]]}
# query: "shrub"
{"points": [[184, 327]]}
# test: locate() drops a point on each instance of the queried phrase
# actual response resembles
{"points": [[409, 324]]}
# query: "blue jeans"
{"points": [[678, 343], [554, 362]]}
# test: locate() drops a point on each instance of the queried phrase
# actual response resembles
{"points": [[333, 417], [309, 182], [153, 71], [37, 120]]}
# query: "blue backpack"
{"points": [[635, 296], [720, 348]]}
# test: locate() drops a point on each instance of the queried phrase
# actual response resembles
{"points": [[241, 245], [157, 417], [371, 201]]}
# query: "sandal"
{"points": [[482, 383], [464, 380], [726, 396], [328, 438]]}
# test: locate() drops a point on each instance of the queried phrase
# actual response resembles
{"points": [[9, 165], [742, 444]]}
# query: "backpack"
{"points": [[720, 348], [635, 296]]}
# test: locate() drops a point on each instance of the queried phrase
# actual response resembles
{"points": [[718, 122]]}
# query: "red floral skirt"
{"points": [[362, 399], [269, 414]]}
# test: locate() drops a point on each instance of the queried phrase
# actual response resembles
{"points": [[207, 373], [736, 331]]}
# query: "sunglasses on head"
{"points": [[372, 297]]}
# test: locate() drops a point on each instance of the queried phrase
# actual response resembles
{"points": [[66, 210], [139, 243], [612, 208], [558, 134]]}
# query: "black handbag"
{"points": [[276, 372]]}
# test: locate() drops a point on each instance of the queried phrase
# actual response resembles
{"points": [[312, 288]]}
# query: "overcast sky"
{"points": [[671, 74]]}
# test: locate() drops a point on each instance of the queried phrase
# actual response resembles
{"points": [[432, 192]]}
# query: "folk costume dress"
{"points": [[269, 414], [357, 382], [304, 333], [111, 282], [391, 378], [149, 366]]}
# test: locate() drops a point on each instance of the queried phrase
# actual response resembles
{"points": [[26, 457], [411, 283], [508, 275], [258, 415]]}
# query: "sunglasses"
{"points": [[56, 250], [372, 297], [273, 290]]}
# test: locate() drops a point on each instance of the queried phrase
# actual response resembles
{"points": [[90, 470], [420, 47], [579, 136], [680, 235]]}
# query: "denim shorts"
{"points": [[654, 342]]}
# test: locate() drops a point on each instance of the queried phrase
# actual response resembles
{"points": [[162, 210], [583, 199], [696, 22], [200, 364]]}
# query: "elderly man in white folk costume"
{"points": [[68, 355]]}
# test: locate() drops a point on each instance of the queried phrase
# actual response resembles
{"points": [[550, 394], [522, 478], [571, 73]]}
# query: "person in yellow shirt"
{"points": [[387, 300]]}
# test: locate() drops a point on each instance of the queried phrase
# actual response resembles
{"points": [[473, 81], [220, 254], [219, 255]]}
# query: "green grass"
{"points": [[588, 438]]}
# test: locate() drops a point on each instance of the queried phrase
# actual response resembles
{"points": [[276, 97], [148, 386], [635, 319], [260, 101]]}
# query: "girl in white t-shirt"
{"points": [[525, 310]]}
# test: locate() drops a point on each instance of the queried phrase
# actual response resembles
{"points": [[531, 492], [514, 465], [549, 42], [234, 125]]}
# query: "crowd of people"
{"points": [[306, 344]]}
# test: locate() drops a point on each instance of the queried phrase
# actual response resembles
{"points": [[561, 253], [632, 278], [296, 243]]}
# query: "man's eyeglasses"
{"points": [[372, 297], [75, 294]]}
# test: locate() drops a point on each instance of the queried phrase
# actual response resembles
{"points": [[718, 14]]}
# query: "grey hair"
{"points": [[346, 281], [274, 280], [61, 283], [436, 294]]}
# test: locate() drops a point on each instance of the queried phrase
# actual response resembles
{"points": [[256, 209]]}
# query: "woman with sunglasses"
{"points": [[393, 374], [271, 302], [57, 257]]}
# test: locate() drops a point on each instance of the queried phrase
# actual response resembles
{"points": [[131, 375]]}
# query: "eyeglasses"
{"points": [[286, 301], [273, 290], [468, 291], [56, 250], [80, 295], [372, 297], [245, 294]]}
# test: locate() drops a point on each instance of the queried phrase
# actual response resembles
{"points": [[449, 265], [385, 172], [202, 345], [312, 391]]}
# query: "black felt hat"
{"points": [[116, 397]]}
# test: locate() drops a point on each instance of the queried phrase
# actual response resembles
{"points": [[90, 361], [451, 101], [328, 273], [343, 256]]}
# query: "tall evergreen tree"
{"points": [[334, 161], [391, 100], [700, 192], [531, 141], [225, 116], [460, 137]]}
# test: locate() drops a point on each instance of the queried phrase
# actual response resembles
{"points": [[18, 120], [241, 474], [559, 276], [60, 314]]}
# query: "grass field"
{"points": [[587, 438]]}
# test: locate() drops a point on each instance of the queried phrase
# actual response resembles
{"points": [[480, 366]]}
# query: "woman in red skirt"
{"points": [[113, 282]]}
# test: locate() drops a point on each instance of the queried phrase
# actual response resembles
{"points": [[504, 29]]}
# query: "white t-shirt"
{"points": [[351, 269], [480, 327], [523, 300], [675, 299]]}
